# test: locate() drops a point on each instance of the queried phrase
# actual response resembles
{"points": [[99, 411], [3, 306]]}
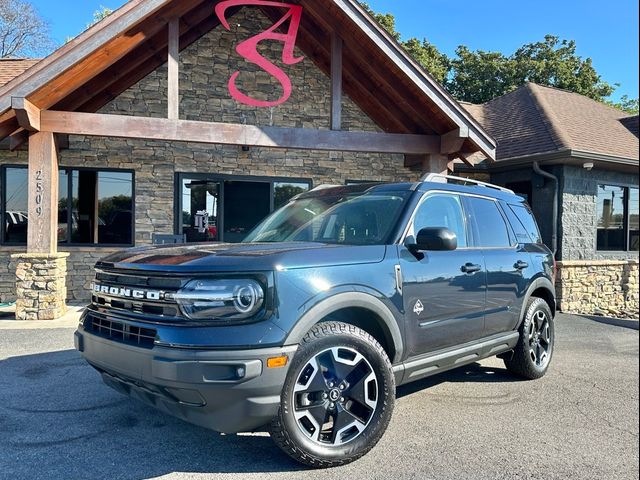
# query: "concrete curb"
{"points": [[70, 320]]}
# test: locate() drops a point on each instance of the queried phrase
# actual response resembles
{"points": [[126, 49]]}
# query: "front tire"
{"points": [[532, 355], [337, 399]]}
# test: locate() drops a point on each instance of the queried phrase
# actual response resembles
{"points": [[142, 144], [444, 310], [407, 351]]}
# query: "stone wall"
{"points": [[602, 287], [206, 67], [41, 286]]}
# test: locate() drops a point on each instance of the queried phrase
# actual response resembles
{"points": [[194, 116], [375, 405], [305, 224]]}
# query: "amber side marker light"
{"points": [[277, 362]]}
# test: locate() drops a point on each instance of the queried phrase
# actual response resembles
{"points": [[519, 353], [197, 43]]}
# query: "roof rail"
{"points": [[434, 177]]}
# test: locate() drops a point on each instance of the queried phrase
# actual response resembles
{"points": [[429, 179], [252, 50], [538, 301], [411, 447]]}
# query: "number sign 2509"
{"points": [[39, 192]]}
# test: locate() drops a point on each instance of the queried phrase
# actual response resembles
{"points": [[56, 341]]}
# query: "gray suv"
{"points": [[308, 326]]}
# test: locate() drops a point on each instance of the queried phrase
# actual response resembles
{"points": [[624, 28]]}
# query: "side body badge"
{"points": [[418, 308]]}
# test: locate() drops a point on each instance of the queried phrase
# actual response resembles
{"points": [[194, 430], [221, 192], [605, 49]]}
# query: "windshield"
{"points": [[362, 218]]}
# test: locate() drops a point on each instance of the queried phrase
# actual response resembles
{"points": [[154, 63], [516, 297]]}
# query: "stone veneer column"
{"points": [[41, 286]]}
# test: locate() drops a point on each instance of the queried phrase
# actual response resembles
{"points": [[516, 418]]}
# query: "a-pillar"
{"points": [[41, 272]]}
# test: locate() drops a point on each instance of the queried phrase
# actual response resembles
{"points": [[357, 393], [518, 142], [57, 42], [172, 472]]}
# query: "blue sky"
{"points": [[605, 31]]}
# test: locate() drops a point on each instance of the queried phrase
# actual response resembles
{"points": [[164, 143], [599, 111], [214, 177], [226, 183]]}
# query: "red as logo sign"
{"points": [[249, 48]]}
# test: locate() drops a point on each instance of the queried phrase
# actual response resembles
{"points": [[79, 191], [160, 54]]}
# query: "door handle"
{"points": [[520, 265], [471, 268]]}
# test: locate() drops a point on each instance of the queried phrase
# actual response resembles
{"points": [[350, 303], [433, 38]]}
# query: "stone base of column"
{"points": [[41, 286]]}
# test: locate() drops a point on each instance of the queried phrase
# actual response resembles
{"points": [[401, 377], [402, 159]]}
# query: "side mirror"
{"points": [[435, 239]]}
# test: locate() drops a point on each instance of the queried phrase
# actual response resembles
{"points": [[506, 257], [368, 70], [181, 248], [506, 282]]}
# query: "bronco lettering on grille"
{"points": [[127, 292]]}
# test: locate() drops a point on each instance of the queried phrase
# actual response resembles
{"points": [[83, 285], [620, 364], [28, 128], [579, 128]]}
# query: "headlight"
{"points": [[220, 299]]}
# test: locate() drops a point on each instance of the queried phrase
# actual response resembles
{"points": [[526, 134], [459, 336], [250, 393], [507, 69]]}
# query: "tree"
{"points": [[425, 53], [626, 104], [99, 15], [554, 62], [479, 76], [23, 33]]}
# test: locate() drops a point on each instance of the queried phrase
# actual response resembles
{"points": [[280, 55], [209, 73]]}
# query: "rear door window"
{"points": [[490, 229], [526, 218]]}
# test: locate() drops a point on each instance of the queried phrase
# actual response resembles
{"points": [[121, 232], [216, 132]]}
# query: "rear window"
{"points": [[526, 221]]}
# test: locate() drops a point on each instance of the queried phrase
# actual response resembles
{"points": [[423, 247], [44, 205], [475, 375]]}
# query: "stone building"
{"points": [[592, 151], [169, 119]]}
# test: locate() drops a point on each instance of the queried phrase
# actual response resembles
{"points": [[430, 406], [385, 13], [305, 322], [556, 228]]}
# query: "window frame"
{"points": [[179, 177], [69, 188], [626, 218]]}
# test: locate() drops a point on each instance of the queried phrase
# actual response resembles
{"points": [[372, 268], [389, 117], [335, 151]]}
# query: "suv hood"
{"points": [[241, 257]]}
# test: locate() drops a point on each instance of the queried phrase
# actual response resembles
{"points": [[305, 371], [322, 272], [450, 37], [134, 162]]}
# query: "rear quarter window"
{"points": [[524, 222]]}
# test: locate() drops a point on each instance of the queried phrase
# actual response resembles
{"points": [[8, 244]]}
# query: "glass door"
{"points": [[201, 201]]}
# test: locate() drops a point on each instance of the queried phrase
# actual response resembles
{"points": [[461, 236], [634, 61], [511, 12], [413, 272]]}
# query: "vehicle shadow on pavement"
{"points": [[473, 373], [56, 416]]}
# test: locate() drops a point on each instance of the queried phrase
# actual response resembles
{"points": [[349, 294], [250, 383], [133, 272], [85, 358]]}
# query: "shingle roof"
{"points": [[535, 119], [10, 68]]}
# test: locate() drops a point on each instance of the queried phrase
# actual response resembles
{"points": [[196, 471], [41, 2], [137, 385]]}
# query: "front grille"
{"points": [[120, 332], [162, 309]]}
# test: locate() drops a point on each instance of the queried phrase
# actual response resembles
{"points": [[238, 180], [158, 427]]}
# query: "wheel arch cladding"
{"points": [[540, 288], [359, 309]]}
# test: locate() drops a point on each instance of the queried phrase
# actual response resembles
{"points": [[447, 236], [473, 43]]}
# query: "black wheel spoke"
{"points": [[343, 419]]}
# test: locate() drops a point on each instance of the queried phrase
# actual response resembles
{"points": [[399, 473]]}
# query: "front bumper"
{"points": [[227, 391]]}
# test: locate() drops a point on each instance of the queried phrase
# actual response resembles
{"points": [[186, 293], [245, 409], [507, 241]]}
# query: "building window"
{"points": [[95, 207], [617, 213], [214, 208]]}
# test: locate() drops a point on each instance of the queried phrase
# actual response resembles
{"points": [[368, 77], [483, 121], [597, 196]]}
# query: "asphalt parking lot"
{"points": [[57, 420]]}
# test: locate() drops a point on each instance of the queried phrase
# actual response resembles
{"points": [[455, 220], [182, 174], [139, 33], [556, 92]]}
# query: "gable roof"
{"points": [[378, 74], [10, 68], [536, 119]]}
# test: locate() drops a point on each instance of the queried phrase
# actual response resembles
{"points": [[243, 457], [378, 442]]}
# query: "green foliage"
{"points": [[99, 15], [425, 53], [626, 104], [479, 76]]}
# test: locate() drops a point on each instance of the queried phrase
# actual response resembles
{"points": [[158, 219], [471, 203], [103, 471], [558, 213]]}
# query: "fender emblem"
{"points": [[418, 308]]}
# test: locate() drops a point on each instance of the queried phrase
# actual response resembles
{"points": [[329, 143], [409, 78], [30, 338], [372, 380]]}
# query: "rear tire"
{"points": [[532, 355], [338, 397]]}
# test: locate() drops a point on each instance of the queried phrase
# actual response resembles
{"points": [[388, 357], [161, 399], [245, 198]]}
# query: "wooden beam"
{"points": [[18, 139], [173, 63], [8, 126], [452, 142], [42, 230], [27, 113], [435, 163], [121, 126], [336, 82]]}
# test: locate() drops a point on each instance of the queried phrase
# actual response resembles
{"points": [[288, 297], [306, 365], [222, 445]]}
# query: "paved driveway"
{"points": [[57, 420]]}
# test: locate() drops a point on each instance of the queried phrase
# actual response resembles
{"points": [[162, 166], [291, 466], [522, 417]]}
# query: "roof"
{"points": [[10, 68], [92, 69], [536, 119]]}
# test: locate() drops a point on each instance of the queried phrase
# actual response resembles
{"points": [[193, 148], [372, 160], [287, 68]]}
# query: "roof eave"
{"points": [[64, 58]]}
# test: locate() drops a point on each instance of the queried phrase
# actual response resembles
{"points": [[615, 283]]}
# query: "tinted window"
{"points": [[101, 206], [611, 215], [634, 221], [442, 211], [526, 220], [491, 229]]}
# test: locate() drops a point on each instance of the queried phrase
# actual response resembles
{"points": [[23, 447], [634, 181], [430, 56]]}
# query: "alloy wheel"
{"points": [[540, 339], [335, 396]]}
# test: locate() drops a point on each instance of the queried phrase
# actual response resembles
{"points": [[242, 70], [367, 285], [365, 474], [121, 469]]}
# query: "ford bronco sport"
{"points": [[328, 305]]}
